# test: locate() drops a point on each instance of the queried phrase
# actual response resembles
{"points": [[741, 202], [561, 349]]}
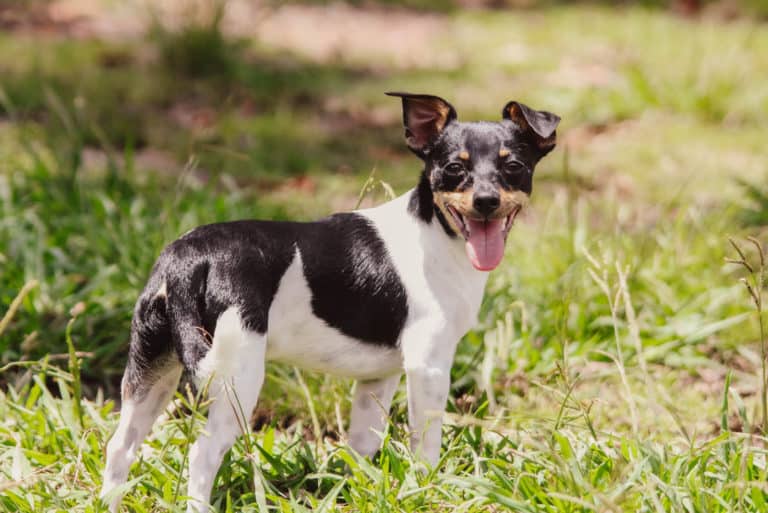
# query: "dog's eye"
{"points": [[454, 168], [514, 168]]}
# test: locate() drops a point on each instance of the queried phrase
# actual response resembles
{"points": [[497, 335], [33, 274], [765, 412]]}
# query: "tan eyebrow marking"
{"points": [[503, 152], [464, 155]]}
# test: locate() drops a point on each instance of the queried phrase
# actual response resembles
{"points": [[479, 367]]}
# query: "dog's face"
{"points": [[480, 173]]}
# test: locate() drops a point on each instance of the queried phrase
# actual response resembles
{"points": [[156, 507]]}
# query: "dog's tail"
{"points": [[151, 349], [172, 326]]}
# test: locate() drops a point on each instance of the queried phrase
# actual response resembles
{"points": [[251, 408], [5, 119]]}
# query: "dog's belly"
{"points": [[295, 335]]}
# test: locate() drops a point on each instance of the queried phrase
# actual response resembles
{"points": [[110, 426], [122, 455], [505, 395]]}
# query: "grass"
{"points": [[617, 362], [755, 283]]}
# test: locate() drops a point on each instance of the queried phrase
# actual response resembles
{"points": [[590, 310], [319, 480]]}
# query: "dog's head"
{"points": [[480, 173]]}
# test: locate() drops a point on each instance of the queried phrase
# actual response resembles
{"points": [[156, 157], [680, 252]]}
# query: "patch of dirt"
{"points": [[305, 184], [588, 134], [344, 33], [198, 119], [342, 114], [143, 160], [33, 17], [336, 32], [576, 74], [100, 20]]}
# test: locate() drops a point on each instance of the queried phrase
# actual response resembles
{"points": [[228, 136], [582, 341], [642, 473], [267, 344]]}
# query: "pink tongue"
{"points": [[485, 246]]}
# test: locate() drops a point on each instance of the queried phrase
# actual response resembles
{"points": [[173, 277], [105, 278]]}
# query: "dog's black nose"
{"points": [[486, 203]]}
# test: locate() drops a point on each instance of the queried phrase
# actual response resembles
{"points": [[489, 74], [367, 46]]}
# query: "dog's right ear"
{"points": [[540, 124], [425, 117]]}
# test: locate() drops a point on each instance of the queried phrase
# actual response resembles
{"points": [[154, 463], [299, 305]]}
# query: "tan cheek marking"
{"points": [[511, 200], [464, 155], [503, 152], [443, 111], [461, 201], [440, 202], [516, 115]]}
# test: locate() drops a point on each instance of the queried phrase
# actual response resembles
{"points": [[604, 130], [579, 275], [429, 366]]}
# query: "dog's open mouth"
{"points": [[485, 238]]}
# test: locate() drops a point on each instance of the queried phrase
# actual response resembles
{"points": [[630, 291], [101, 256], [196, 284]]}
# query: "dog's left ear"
{"points": [[425, 117], [540, 124]]}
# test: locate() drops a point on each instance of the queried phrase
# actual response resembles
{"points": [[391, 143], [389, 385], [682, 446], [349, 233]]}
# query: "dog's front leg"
{"points": [[427, 395], [427, 357], [370, 411]]}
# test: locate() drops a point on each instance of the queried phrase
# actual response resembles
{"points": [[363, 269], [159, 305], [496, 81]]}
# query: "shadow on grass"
{"points": [[255, 113]]}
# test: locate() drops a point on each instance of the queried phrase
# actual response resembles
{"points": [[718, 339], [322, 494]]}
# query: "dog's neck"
{"points": [[422, 205], [431, 262]]}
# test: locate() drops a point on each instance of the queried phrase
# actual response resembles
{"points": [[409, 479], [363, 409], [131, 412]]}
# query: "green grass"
{"points": [[616, 363]]}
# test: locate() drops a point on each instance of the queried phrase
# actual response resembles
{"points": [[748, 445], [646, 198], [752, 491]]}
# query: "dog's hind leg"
{"points": [[150, 380], [142, 403], [370, 408], [234, 370]]}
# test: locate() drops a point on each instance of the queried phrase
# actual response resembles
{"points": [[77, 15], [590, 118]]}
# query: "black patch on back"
{"points": [[355, 288], [221, 265]]}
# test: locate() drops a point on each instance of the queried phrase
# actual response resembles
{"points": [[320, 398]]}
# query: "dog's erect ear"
{"points": [[424, 116], [541, 124]]}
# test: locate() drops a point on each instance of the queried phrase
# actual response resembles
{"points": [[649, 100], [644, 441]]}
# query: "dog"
{"points": [[367, 295]]}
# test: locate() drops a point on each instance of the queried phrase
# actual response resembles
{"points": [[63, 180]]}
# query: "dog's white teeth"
{"points": [[466, 224]]}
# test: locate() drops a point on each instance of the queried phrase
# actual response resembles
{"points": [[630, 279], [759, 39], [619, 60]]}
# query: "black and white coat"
{"points": [[369, 295]]}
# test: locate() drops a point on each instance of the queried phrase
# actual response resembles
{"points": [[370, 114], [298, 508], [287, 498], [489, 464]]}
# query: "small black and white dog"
{"points": [[368, 294]]}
